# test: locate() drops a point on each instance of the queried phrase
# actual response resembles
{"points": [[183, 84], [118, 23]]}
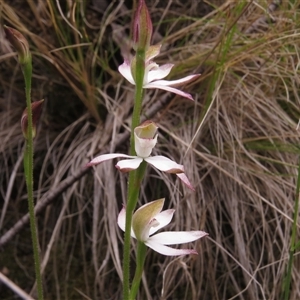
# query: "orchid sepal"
{"points": [[142, 27], [36, 110]]}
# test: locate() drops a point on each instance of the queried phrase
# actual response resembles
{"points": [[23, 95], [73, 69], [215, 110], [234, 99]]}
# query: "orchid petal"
{"points": [[185, 180], [122, 218], [164, 164], [122, 221], [156, 85], [178, 81], [143, 147], [163, 218], [101, 158], [127, 165], [160, 72], [176, 237], [168, 251], [125, 70]]}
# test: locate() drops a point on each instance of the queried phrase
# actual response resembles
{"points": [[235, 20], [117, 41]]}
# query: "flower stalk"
{"points": [[135, 177], [140, 261], [135, 180], [22, 47]]}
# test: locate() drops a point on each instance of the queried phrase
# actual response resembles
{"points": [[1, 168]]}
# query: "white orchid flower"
{"points": [[148, 219], [154, 73], [145, 140]]}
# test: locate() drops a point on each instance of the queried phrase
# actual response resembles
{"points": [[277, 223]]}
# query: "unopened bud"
{"points": [[142, 27], [20, 44], [36, 108]]}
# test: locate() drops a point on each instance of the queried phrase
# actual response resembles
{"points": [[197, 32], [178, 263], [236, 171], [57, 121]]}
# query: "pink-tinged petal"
{"points": [[127, 165], [143, 147], [101, 158], [163, 219], [156, 85], [125, 70], [160, 72], [164, 164], [185, 180], [122, 220], [178, 81], [177, 237], [168, 251]]}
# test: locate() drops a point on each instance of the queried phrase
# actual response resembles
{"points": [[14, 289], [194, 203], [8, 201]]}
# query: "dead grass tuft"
{"points": [[238, 143]]}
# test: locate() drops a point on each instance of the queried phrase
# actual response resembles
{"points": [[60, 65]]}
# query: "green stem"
{"points": [[140, 260], [135, 180], [288, 277], [139, 93], [135, 177], [28, 167]]}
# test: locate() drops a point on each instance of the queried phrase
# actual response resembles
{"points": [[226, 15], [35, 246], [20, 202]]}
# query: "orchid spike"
{"points": [[148, 219], [154, 73], [145, 138]]}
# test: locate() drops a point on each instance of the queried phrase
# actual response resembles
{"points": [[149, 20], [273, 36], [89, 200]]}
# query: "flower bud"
{"points": [[145, 138], [20, 44], [142, 27], [36, 108]]}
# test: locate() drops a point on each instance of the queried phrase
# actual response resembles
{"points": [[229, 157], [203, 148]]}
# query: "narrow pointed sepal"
{"points": [[36, 108]]}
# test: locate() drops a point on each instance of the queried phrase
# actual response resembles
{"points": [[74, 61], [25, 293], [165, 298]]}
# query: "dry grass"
{"points": [[238, 142]]}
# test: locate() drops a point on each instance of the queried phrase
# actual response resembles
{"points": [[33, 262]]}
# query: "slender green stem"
{"points": [[135, 177], [288, 277], [135, 180], [139, 93], [28, 167], [140, 260]]}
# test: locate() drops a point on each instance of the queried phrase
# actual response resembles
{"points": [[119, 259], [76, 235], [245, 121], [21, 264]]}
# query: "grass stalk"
{"points": [[28, 167], [293, 246]]}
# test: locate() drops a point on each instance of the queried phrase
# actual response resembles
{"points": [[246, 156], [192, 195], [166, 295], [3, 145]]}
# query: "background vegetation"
{"points": [[238, 141]]}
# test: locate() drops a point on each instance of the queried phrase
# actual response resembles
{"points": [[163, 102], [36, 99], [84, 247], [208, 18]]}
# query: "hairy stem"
{"points": [[135, 177], [140, 260], [28, 167]]}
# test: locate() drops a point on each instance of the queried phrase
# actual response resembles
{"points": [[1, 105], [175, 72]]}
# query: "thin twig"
{"points": [[16, 289]]}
